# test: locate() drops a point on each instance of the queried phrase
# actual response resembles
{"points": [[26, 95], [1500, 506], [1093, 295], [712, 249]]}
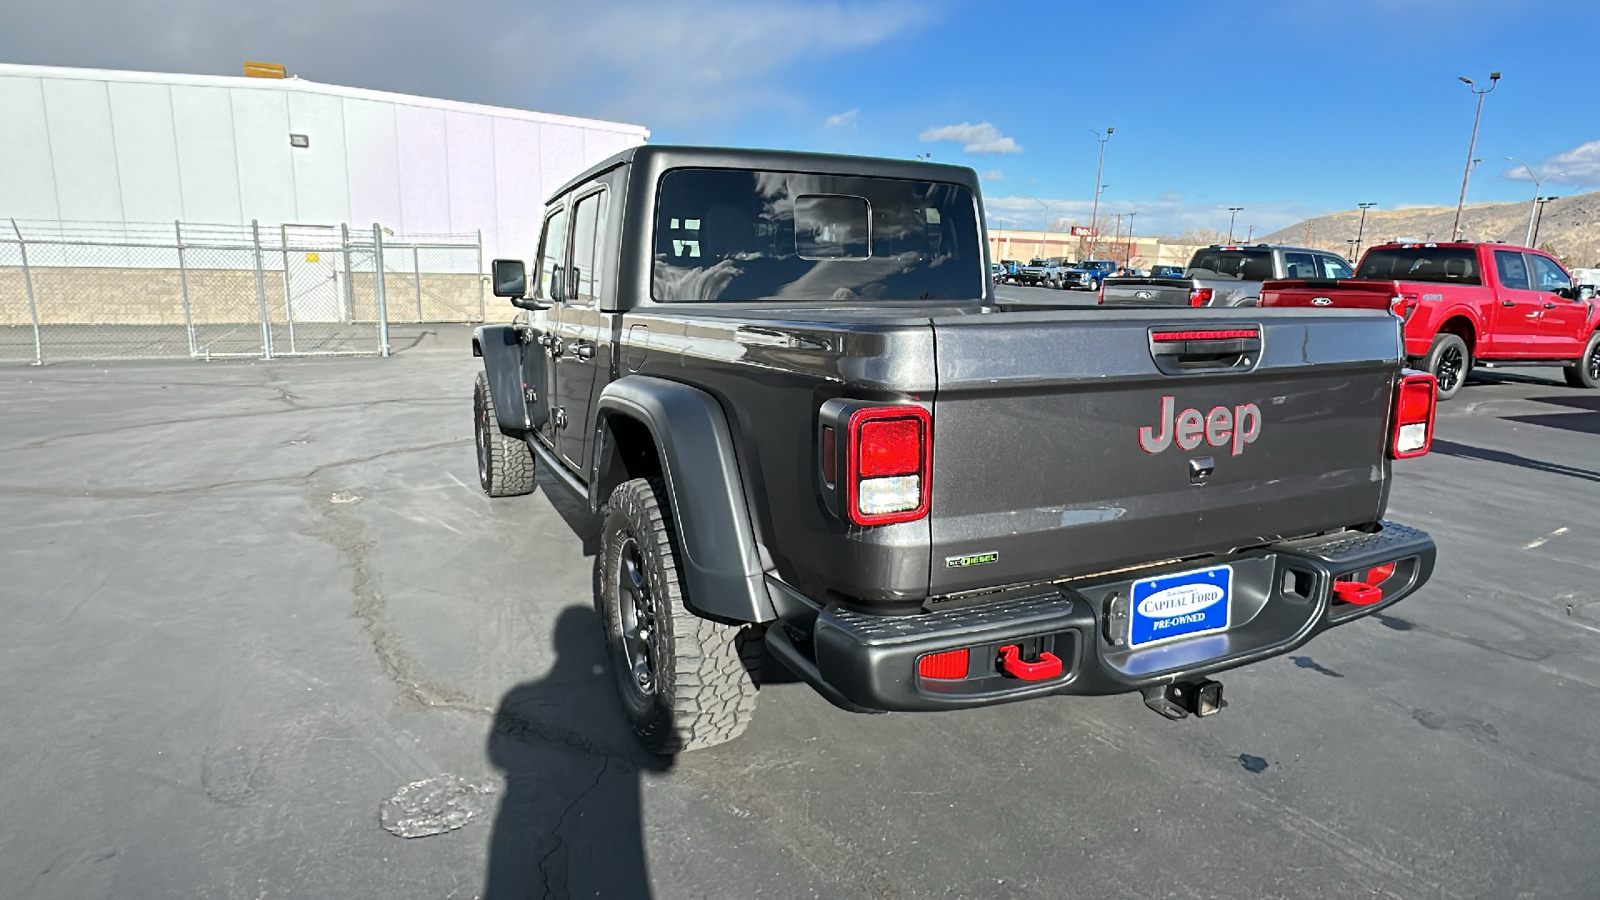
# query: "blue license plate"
{"points": [[1180, 605]]}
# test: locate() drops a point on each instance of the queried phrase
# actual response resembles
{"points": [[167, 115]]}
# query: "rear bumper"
{"points": [[1283, 597]]}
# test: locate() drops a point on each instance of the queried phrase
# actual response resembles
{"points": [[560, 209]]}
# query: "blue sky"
{"points": [[1286, 108]]}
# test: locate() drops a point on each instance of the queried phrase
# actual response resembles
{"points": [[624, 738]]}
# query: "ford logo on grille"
{"points": [[1321, 301], [1144, 295], [1179, 600]]}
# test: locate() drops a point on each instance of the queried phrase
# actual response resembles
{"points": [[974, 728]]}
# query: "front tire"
{"points": [[505, 463], [1586, 374], [686, 682], [1448, 361]]}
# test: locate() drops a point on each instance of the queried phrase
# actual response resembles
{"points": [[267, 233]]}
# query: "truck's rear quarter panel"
{"points": [[1037, 454]]}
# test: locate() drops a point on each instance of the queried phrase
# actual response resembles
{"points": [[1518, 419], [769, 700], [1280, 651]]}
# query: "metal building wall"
{"points": [[87, 145]]}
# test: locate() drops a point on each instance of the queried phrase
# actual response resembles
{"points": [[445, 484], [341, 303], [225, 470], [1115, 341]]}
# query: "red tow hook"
{"points": [[1048, 666], [1358, 593]]}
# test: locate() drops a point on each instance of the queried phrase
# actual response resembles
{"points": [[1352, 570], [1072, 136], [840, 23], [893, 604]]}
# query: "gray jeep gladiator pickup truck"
{"points": [[786, 383], [1224, 276]]}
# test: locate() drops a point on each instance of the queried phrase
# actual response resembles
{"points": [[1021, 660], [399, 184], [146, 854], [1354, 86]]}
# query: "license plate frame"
{"points": [[1156, 601]]}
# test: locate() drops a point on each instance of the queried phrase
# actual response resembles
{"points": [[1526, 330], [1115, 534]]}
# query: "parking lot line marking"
{"points": [[1535, 544]]}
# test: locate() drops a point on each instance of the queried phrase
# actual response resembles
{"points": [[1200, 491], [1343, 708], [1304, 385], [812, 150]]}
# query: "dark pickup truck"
{"points": [[813, 431], [1224, 276]]}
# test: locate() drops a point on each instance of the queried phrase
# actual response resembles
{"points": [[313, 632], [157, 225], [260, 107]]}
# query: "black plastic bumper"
{"points": [[1282, 597]]}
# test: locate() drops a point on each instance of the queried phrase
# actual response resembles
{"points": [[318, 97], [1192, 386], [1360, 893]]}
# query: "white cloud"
{"points": [[982, 138], [653, 62], [1578, 166], [993, 175], [1168, 214], [846, 119]]}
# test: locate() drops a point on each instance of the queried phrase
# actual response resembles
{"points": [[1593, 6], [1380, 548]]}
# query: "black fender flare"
{"points": [[721, 567], [501, 349]]}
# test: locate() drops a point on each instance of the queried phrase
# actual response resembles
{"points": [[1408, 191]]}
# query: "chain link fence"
{"points": [[77, 290]]}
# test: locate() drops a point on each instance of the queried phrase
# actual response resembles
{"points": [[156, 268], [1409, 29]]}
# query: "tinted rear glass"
{"points": [[1445, 265], [1245, 265], [732, 235]]}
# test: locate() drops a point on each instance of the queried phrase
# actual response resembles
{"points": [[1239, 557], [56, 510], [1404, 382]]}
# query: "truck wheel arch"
{"points": [[500, 348], [1460, 324], [680, 431]]}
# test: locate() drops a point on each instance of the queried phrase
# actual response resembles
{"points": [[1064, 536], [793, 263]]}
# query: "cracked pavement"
{"points": [[247, 603]]}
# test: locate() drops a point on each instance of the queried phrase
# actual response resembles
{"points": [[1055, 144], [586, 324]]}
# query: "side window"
{"points": [[1547, 275], [551, 247], [1299, 265], [1334, 267], [1511, 268], [588, 246]]}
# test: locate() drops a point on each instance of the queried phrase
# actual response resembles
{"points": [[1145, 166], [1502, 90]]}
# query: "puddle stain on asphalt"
{"points": [[1255, 765], [1474, 728], [436, 805]]}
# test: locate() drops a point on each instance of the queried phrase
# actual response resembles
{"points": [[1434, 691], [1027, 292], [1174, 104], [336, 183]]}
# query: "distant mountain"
{"points": [[1570, 226]]}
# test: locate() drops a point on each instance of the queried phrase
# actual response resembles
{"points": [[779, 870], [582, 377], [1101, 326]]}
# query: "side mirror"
{"points": [[510, 278], [1568, 293]]}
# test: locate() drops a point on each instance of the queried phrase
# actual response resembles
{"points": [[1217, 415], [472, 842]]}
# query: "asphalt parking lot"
{"points": [[247, 604]]}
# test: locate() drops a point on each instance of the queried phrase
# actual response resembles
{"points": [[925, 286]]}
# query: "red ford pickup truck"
{"points": [[1467, 304]]}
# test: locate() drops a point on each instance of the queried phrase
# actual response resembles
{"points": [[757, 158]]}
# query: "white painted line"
{"points": [[1533, 545]]}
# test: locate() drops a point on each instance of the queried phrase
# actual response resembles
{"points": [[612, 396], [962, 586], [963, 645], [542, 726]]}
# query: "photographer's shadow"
{"points": [[569, 822]]}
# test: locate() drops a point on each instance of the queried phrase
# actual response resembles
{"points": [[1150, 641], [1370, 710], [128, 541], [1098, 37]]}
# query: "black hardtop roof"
{"points": [[667, 157]]}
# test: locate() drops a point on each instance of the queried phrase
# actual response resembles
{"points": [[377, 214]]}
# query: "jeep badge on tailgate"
{"points": [[1241, 425]]}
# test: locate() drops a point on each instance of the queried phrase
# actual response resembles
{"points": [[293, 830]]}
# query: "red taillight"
{"points": [[890, 447], [1414, 404], [949, 665], [888, 462], [1199, 296], [1403, 305]]}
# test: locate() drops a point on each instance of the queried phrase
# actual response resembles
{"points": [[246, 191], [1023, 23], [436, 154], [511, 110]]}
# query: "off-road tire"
{"points": [[705, 673], [1448, 350], [505, 463], [1586, 374]]}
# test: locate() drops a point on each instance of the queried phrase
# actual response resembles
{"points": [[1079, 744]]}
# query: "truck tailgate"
{"points": [[1040, 470], [1146, 291], [1337, 294]]}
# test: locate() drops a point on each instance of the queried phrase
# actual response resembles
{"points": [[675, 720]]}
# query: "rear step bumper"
{"points": [[1283, 596]]}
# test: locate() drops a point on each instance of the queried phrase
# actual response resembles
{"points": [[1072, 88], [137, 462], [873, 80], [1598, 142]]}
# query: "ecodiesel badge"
{"points": [[971, 559]]}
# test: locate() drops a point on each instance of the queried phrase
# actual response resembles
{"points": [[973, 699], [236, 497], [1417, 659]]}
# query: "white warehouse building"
{"points": [[114, 147]]}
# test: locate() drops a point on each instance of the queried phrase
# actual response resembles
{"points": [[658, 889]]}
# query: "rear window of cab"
{"points": [[1440, 265]]}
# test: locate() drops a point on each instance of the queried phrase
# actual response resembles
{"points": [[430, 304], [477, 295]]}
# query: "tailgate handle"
{"points": [[1181, 350]]}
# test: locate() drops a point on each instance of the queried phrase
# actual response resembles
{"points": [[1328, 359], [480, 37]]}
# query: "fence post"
{"points": [[288, 298], [183, 285], [261, 291], [383, 304], [480, 275], [416, 276], [33, 308], [349, 289]]}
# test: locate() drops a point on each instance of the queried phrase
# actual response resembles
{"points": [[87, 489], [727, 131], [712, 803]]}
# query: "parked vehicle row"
{"points": [[1225, 276], [1466, 304], [1055, 272], [786, 383]]}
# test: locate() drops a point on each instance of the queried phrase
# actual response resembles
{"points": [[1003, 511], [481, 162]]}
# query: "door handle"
{"points": [[583, 350], [1549, 306], [1508, 303]]}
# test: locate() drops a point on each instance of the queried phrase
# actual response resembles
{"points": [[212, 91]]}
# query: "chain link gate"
{"points": [[120, 291]]}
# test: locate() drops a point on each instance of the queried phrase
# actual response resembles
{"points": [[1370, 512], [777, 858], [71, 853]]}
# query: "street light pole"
{"points": [[1541, 201], [1527, 239], [1044, 235], [1094, 216], [1472, 146], [1362, 228], [1233, 212], [1128, 254]]}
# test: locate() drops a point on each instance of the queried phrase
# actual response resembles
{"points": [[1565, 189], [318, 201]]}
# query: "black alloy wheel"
{"points": [[638, 636], [1449, 361], [1586, 374]]}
